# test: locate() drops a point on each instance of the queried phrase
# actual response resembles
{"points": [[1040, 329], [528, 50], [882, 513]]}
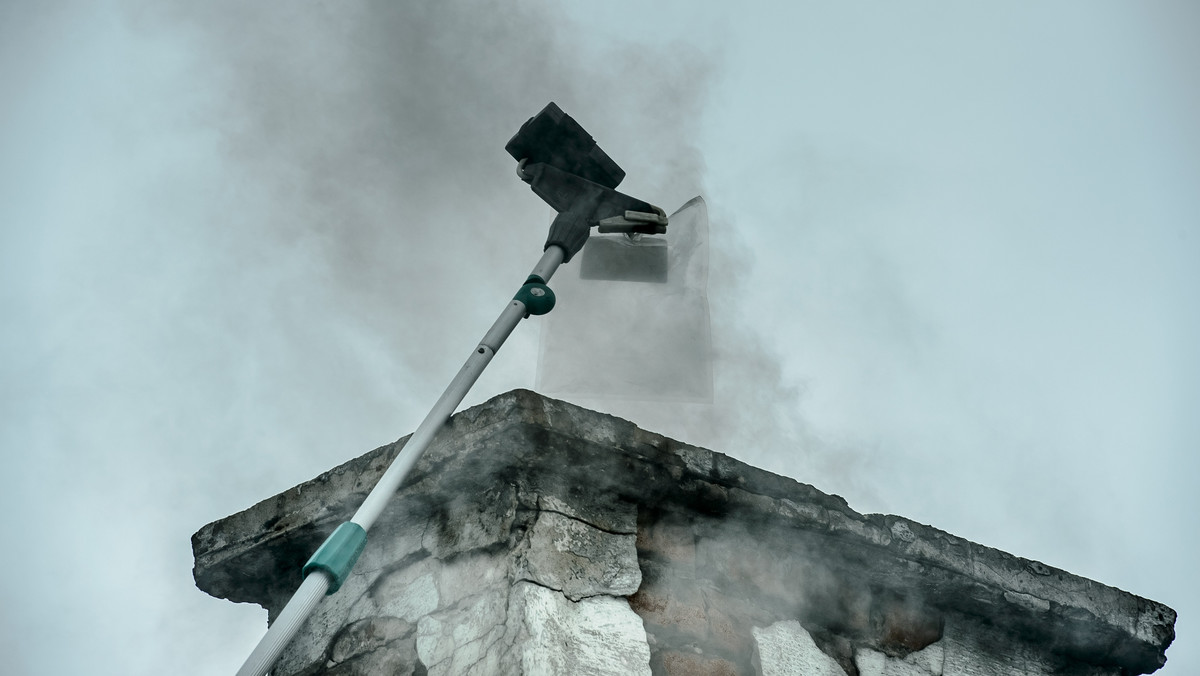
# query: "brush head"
{"points": [[563, 165], [552, 137]]}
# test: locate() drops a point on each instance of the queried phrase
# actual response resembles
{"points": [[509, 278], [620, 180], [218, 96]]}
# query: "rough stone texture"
{"points": [[597, 635], [928, 661], [785, 648], [677, 663], [538, 537], [572, 557], [466, 638], [367, 636]]}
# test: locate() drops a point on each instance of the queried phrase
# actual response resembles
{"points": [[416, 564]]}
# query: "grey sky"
{"points": [[951, 278]]}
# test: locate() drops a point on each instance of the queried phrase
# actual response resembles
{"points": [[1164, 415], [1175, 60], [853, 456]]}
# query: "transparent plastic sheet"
{"points": [[633, 340]]}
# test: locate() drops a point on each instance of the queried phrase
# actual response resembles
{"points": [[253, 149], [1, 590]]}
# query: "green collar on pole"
{"points": [[336, 556]]}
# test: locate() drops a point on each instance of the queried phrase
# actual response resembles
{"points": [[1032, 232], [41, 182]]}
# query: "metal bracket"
{"points": [[636, 222]]}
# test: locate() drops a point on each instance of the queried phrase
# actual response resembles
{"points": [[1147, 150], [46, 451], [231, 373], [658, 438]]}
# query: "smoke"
{"points": [[259, 240], [369, 217], [245, 243], [373, 143], [369, 145]]}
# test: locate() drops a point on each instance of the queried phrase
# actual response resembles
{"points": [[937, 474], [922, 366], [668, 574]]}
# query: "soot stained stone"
{"points": [[538, 537]]}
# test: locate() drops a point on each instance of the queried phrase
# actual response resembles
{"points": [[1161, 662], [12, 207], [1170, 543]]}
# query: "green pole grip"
{"points": [[337, 555]]}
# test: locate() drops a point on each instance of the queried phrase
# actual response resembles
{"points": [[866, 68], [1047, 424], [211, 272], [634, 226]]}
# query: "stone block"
{"points": [[967, 650], [577, 559], [391, 542], [596, 636], [600, 509], [906, 625], [730, 619], [668, 537], [409, 593], [927, 662], [471, 574], [745, 561], [786, 648], [398, 658], [465, 639], [368, 635], [679, 608], [469, 522], [697, 461], [676, 663]]}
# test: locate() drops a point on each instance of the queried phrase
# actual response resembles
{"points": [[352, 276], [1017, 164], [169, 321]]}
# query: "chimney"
{"points": [[537, 537]]}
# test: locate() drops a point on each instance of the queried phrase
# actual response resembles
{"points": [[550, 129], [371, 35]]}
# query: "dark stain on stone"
{"points": [[906, 625], [766, 548]]}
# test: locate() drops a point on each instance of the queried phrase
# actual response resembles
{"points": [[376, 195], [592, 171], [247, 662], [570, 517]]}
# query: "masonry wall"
{"points": [[537, 537]]}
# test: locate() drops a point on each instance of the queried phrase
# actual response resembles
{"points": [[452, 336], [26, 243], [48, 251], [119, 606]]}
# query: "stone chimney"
{"points": [[537, 537]]}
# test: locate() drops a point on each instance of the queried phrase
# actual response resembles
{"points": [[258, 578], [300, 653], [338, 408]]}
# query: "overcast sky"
{"points": [[952, 269]]}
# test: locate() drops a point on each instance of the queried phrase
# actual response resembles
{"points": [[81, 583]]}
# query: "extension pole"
{"points": [[331, 564]]}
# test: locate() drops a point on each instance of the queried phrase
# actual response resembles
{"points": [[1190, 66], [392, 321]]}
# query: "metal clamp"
{"points": [[636, 222]]}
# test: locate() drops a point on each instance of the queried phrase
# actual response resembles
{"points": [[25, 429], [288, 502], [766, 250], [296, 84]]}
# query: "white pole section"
{"points": [[280, 633], [379, 496], [319, 580]]}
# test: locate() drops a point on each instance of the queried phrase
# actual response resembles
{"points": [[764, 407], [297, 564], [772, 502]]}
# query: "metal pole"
{"points": [[280, 633], [318, 581]]}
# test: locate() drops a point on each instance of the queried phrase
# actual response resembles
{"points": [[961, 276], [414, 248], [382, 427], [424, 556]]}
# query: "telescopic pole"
{"points": [[331, 564]]}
